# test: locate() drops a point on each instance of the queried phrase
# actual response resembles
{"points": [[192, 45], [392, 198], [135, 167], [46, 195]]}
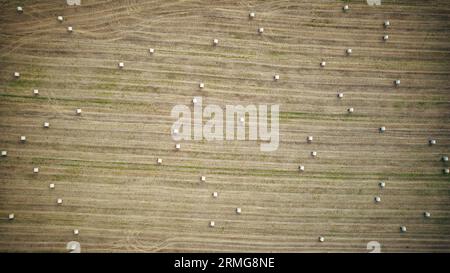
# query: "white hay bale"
{"points": [[397, 82], [177, 146], [313, 153], [215, 194], [201, 85], [121, 65], [151, 50], [340, 95], [382, 129], [382, 184], [4, 153], [445, 158], [23, 138], [346, 8], [78, 111], [321, 239], [252, 15], [16, 74], [386, 37], [377, 199], [11, 216], [403, 229], [75, 232], [432, 141], [159, 161], [349, 51], [387, 23], [70, 29], [203, 178], [175, 131], [323, 64], [446, 171], [241, 120], [350, 110], [238, 210], [46, 125], [35, 170], [301, 168], [60, 18], [19, 9], [212, 224], [309, 139], [426, 214], [215, 42], [59, 201], [51, 186], [194, 101], [35, 92], [260, 30], [276, 77]]}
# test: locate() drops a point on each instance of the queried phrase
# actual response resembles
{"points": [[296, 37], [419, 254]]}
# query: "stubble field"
{"points": [[103, 162]]}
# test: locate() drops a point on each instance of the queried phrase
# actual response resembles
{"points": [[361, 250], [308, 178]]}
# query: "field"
{"points": [[103, 162]]}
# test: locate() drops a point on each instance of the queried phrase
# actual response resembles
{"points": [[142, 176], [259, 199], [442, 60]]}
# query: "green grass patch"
{"points": [[287, 116]]}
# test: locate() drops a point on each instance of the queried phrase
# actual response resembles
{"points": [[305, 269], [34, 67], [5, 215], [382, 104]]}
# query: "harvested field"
{"points": [[102, 162]]}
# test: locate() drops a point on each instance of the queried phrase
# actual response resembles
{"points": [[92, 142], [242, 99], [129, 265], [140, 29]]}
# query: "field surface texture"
{"points": [[103, 162]]}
